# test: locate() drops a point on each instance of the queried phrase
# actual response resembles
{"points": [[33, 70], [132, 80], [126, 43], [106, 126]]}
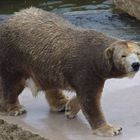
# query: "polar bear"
{"points": [[42, 50]]}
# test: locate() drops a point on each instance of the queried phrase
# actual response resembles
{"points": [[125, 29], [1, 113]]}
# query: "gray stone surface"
{"points": [[121, 104]]}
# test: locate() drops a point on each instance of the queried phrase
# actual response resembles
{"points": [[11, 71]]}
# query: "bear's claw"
{"points": [[108, 130]]}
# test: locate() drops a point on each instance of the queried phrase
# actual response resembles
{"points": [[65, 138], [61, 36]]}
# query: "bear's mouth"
{"points": [[133, 68], [131, 74]]}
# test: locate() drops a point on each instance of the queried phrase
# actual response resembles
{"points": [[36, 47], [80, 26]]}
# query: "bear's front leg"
{"points": [[72, 108], [89, 98]]}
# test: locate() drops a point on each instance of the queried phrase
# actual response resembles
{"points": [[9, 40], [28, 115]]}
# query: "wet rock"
{"points": [[132, 7]]}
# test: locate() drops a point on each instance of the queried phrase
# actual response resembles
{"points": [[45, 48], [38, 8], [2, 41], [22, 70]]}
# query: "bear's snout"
{"points": [[133, 63], [135, 66]]}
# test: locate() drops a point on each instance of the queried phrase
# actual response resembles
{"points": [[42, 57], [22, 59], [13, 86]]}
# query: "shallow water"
{"points": [[97, 14]]}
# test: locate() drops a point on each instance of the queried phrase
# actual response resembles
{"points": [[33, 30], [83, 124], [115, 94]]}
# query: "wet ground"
{"points": [[121, 98], [121, 105]]}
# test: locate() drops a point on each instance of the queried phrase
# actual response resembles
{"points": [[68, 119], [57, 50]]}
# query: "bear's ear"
{"points": [[109, 53]]}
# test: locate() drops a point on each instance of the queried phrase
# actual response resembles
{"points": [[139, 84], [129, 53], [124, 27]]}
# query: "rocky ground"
{"points": [[13, 132]]}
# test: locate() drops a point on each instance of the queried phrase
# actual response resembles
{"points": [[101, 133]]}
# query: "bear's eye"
{"points": [[123, 56]]}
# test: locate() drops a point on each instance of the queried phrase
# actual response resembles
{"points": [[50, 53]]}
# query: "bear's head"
{"points": [[123, 58]]}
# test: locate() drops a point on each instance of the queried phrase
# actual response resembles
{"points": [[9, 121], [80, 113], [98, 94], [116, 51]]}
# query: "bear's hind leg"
{"points": [[56, 99], [11, 85]]}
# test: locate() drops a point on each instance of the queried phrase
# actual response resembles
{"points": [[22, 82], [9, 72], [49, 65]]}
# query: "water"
{"points": [[97, 14], [60, 6]]}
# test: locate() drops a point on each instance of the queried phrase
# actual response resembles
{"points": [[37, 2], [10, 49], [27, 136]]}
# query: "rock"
{"points": [[13, 132], [132, 7]]}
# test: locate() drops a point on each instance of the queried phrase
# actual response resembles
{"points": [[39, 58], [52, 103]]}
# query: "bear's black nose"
{"points": [[136, 66]]}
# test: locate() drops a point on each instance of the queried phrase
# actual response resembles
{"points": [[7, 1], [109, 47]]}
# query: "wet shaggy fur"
{"points": [[57, 55]]}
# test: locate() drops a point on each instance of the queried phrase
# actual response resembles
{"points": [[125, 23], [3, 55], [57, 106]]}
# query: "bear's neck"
{"points": [[89, 47], [99, 42]]}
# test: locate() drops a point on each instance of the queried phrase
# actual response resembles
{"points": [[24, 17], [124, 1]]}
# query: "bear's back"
{"points": [[35, 16]]}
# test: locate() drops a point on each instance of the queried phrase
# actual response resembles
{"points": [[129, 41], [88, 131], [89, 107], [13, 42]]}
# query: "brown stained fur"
{"points": [[57, 55]]}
